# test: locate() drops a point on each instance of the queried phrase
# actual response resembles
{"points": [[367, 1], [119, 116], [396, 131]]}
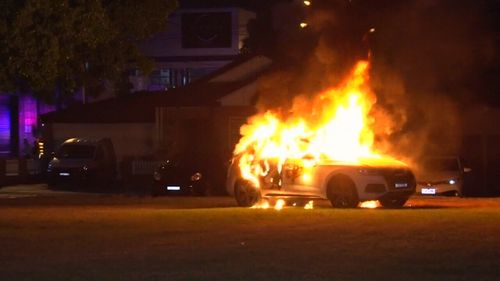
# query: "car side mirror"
{"points": [[467, 170]]}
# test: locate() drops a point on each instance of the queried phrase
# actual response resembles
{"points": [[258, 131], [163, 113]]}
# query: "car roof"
{"points": [[82, 141]]}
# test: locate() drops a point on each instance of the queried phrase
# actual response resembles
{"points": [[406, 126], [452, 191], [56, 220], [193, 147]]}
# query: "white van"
{"points": [[83, 161]]}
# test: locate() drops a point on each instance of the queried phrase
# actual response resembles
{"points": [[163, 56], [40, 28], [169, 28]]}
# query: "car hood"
{"points": [[437, 176]]}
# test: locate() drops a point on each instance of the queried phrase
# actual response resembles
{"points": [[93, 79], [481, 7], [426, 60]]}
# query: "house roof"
{"points": [[140, 107]]}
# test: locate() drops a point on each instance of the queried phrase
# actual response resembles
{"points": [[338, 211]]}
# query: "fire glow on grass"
{"points": [[280, 203], [334, 125]]}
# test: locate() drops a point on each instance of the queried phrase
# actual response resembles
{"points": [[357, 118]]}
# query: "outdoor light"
{"points": [[307, 3], [372, 30], [452, 181], [303, 24]]}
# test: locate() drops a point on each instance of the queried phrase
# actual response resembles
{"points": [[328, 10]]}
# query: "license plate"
{"points": [[401, 185], [173, 187], [64, 174], [428, 190]]}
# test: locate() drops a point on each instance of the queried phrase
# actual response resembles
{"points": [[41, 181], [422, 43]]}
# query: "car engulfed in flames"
{"points": [[323, 148]]}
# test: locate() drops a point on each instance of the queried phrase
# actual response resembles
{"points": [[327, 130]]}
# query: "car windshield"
{"points": [[68, 151], [441, 164]]}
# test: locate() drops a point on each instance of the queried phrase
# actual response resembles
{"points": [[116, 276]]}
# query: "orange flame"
{"points": [[370, 204], [280, 203], [309, 205], [332, 126]]}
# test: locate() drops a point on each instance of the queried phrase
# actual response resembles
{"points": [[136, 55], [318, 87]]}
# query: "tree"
{"points": [[62, 46]]}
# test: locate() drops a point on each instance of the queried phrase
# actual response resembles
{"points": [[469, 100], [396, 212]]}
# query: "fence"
{"points": [[19, 170]]}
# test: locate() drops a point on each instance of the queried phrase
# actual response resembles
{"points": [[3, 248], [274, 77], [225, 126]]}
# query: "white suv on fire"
{"points": [[344, 184]]}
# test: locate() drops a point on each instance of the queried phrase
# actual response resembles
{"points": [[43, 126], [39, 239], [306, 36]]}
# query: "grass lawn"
{"points": [[145, 241]]}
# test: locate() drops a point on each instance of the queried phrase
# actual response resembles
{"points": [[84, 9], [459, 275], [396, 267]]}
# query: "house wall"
{"points": [[178, 64], [169, 43], [229, 120], [245, 96], [245, 70], [179, 128], [213, 130]]}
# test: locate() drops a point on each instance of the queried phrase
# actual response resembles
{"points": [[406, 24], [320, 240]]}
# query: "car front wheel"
{"points": [[246, 194], [342, 192]]}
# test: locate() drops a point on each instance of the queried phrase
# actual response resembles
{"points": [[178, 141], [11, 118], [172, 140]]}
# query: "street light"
{"points": [[303, 24], [307, 3]]}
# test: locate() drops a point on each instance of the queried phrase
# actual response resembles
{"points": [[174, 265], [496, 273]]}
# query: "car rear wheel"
{"points": [[246, 194], [342, 192], [396, 202]]}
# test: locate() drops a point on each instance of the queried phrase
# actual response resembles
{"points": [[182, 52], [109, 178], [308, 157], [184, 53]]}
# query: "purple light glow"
{"points": [[4, 125]]}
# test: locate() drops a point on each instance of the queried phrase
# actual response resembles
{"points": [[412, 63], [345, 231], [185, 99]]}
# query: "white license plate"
{"points": [[64, 174], [173, 187], [401, 185], [428, 190]]}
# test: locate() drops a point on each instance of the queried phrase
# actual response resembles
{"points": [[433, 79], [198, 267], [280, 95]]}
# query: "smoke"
{"points": [[428, 60], [428, 56]]}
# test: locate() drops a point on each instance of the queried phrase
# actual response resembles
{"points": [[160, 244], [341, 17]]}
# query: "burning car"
{"points": [[322, 147], [344, 184]]}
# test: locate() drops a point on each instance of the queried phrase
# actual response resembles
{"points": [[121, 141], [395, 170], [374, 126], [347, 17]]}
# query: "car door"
{"points": [[298, 179]]}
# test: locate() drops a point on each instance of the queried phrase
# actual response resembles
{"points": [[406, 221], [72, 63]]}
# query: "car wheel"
{"points": [[246, 194], [395, 202], [342, 192]]}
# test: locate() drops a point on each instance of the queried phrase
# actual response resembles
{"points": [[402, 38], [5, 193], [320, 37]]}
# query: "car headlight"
{"points": [[196, 177], [452, 181], [157, 176]]}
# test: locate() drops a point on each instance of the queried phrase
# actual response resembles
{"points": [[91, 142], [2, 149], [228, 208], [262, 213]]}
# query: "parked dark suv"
{"points": [[83, 162]]}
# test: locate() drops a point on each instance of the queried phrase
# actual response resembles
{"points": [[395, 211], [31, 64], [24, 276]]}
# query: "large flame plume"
{"points": [[334, 125]]}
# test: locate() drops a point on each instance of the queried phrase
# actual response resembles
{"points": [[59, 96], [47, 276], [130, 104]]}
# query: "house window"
{"points": [[206, 30], [166, 78]]}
